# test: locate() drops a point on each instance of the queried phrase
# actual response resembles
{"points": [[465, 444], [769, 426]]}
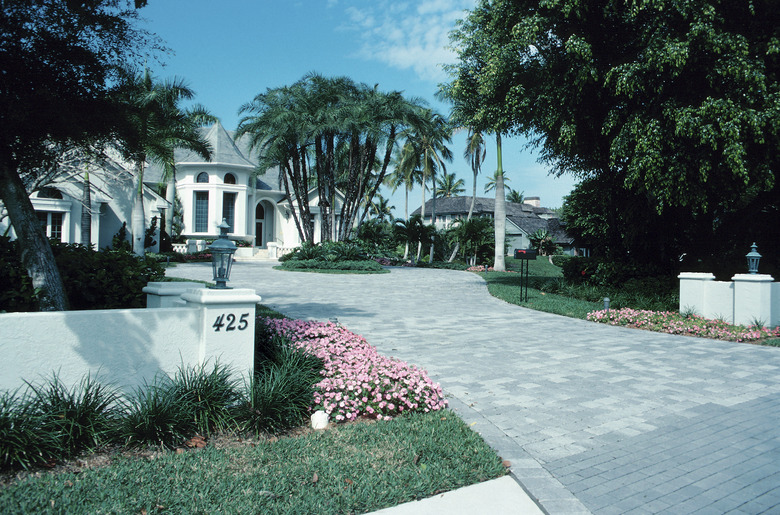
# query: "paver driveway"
{"points": [[593, 418]]}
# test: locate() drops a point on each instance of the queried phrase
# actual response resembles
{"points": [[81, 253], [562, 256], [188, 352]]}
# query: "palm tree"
{"points": [[471, 234], [198, 116], [475, 153], [428, 136], [449, 186], [499, 210], [157, 126], [380, 208], [515, 196], [411, 231], [491, 184], [406, 173]]}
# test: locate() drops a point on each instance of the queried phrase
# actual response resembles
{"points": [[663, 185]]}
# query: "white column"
{"points": [[168, 294], [693, 288], [752, 298], [227, 326]]}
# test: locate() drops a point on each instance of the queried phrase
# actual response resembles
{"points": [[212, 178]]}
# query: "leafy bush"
{"points": [[578, 269], [316, 264], [108, 279], [82, 417], [156, 415], [16, 289], [210, 398], [281, 391], [23, 441]]}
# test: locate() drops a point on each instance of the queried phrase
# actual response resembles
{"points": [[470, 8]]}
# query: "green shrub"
{"points": [[281, 391], [157, 415], [209, 397], [578, 269], [108, 279], [82, 417], [16, 289], [24, 440], [318, 264]]}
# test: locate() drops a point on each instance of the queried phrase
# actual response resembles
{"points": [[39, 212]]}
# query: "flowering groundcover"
{"points": [[358, 381], [675, 323]]}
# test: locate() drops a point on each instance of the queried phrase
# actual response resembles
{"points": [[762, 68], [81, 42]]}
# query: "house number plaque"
{"points": [[231, 322]]}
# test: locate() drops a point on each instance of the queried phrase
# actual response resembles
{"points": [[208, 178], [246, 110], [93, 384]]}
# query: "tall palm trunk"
{"points": [[137, 219], [499, 214]]}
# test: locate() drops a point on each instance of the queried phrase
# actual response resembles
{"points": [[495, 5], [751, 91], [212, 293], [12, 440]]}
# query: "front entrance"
{"points": [[259, 226]]}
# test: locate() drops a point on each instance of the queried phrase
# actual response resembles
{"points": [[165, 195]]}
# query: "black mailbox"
{"points": [[525, 254]]}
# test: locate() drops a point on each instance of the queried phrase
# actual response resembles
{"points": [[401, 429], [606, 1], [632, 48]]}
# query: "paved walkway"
{"points": [[593, 418]]}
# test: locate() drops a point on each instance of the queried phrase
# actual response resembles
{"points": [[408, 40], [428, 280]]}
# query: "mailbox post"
{"points": [[524, 255]]}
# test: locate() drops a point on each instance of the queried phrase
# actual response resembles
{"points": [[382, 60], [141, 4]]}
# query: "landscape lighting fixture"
{"points": [[222, 251]]}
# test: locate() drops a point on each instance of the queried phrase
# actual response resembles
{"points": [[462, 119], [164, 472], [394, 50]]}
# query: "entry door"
{"points": [[259, 219], [259, 234]]}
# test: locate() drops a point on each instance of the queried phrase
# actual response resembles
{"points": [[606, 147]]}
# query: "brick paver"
{"points": [[593, 418]]}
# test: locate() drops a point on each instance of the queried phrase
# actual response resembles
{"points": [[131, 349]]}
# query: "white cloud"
{"points": [[411, 35]]}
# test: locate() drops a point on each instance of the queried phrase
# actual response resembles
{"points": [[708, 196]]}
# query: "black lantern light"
{"points": [[222, 251], [753, 258]]}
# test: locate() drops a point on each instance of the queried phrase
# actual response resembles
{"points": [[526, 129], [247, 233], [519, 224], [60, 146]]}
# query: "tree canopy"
{"points": [[59, 61], [677, 101], [346, 130]]}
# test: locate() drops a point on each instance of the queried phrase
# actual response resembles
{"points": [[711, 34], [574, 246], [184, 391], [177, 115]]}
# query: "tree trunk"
{"points": [[473, 198], [36, 254], [499, 214], [137, 218], [86, 212]]}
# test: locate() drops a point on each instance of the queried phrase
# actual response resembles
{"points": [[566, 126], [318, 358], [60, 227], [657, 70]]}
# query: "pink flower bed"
{"points": [[674, 323], [358, 381]]}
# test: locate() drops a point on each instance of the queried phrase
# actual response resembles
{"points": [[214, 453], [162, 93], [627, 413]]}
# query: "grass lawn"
{"points": [[506, 286], [543, 275], [348, 468]]}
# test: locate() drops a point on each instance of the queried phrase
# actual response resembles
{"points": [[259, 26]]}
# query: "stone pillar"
{"points": [[227, 326], [752, 298], [693, 291], [168, 294]]}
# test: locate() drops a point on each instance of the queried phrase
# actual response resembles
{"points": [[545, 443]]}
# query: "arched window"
{"points": [[203, 177], [230, 178], [50, 193], [259, 212]]}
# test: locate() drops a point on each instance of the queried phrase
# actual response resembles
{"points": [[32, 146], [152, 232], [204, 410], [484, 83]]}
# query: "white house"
{"points": [[112, 189], [223, 188], [522, 220]]}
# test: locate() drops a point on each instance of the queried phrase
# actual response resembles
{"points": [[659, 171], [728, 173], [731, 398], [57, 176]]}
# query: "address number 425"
{"points": [[231, 322]]}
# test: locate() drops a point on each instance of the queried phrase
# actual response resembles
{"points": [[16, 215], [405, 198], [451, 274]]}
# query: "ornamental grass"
{"points": [[691, 325], [357, 380]]}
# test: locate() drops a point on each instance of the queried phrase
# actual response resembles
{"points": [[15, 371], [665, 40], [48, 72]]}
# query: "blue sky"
{"points": [[230, 51]]}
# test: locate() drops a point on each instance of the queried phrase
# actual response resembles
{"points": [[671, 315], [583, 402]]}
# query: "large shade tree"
{"points": [[59, 63], [675, 101]]}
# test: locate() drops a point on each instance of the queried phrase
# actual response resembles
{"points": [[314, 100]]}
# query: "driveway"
{"points": [[593, 418]]}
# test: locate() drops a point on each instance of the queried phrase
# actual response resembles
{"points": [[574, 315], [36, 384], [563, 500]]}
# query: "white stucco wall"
{"points": [[745, 299], [130, 346]]}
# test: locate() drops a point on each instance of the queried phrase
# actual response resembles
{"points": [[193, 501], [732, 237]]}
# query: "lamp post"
{"points": [[222, 251], [753, 258]]}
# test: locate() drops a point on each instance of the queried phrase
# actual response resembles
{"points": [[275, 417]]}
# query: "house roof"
{"points": [[226, 150], [460, 206], [524, 216]]}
